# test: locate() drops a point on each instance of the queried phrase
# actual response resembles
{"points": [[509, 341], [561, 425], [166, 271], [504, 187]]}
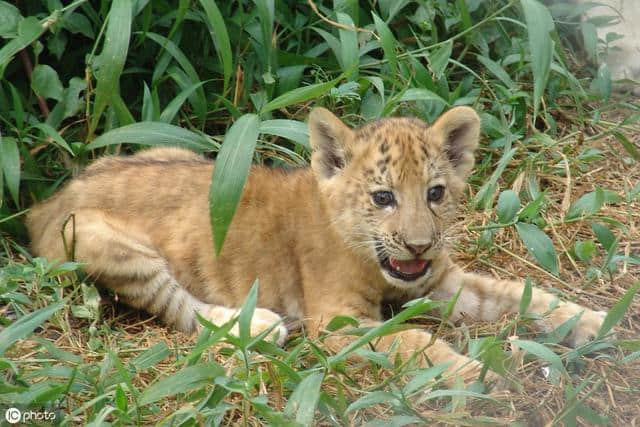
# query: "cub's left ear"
{"points": [[331, 143], [459, 131]]}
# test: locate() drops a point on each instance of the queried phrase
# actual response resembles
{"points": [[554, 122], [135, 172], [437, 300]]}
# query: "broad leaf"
{"points": [[230, 174], [539, 245]]}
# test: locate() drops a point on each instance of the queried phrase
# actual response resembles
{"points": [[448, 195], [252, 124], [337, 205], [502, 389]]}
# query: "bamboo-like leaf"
{"points": [[348, 46], [170, 111], [29, 29], [113, 57], [618, 310], [10, 162], [539, 26], [197, 100], [54, 135], [246, 314], [291, 129], [304, 399], [220, 37], [525, 300], [22, 327], [300, 95], [182, 381], [388, 42], [230, 174], [541, 352], [153, 133]]}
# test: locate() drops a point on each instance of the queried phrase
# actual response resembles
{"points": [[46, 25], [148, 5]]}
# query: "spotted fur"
{"points": [[315, 238]]}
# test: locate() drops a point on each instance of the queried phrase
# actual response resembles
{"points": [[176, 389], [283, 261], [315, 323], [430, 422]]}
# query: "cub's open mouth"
{"points": [[407, 270]]}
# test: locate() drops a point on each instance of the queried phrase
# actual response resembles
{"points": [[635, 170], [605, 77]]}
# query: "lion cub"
{"points": [[366, 222]]}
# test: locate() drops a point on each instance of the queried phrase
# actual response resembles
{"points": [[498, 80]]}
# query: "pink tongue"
{"points": [[408, 267]]}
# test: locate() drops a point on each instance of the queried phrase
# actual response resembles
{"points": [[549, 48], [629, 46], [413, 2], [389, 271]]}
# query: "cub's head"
{"points": [[392, 186]]}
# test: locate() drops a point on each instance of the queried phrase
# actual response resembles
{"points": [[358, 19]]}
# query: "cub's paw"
{"points": [[469, 371], [262, 320], [587, 328]]}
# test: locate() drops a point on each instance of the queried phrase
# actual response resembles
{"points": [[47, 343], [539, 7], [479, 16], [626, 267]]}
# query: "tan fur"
{"points": [[141, 225]]}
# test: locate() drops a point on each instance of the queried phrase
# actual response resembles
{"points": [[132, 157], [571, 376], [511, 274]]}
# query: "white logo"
{"points": [[13, 415]]}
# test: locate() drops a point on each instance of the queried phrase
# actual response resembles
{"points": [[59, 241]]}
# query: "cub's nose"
{"points": [[418, 248]]}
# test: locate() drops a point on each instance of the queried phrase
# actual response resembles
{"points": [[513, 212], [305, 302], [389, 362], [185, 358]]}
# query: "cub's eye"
{"points": [[383, 198], [435, 193]]}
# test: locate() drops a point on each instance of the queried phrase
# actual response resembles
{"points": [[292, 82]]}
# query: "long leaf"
{"points": [[197, 100], [25, 325], [10, 162], [291, 129], [539, 25], [187, 379], [30, 29], [220, 37], [541, 352], [388, 42], [618, 310], [230, 174], [170, 111], [153, 133], [348, 46], [113, 56], [304, 399], [300, 95]]}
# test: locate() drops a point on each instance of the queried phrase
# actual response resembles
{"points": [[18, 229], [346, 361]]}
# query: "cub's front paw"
{"points": [[469, 370], [587, 328], [262, 320]]}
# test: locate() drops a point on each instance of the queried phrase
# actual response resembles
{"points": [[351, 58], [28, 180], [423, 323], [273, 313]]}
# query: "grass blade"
{"points": [[54, 135], [113, 57], [153, 133], [220, 37], [350, 56], [300, 95], [187, 379], [291, 129], [246, 313], [304, 399], [617, 311], [197, 100], [170, 111], [541, 352], [388, 42], [28, 31], [25, 325], [230, 174], [539, 25], [10, 162]]}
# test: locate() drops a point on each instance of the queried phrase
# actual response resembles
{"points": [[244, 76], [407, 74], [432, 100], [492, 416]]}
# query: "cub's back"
{"points": [[147, 189]]}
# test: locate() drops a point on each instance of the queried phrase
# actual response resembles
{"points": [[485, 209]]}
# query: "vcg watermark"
{"points": [[15, 415]]}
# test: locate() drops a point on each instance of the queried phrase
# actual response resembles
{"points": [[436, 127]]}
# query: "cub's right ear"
{"points": [[331, 141]]}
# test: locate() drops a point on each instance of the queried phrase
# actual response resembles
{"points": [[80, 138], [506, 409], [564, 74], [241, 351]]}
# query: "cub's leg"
{"points": [[124, 259], [484, 298], [406, 343]]}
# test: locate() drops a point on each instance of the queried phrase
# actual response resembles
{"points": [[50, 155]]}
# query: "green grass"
{"points": [[556, 175]]}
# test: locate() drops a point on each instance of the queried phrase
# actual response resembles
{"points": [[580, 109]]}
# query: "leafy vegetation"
{"points": [[554, 197]]}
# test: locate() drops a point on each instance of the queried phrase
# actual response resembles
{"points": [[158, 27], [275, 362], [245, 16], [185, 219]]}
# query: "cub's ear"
{"points": [[459, 131], [331, 142]]}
